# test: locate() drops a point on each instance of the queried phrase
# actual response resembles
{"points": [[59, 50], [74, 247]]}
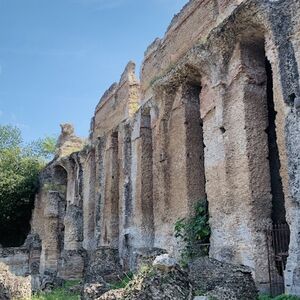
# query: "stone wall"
{"points": [[23, 261], [196, 127], [17, 259]]}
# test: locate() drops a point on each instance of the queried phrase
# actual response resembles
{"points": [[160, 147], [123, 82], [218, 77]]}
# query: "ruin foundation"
{"points": [[216, 116]]}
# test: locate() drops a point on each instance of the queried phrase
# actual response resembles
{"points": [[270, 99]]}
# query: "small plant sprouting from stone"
{"points": [[146, 270], [123, 281], [199, 293], [194, 232]]}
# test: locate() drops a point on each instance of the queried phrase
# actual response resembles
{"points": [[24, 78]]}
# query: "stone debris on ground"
{"points": [[13, 287]]}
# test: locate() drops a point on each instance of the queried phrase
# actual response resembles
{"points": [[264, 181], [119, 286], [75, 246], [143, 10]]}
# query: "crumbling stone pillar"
{"points": [[50, 244], [73, 220], [89, 201], [110, 221], [126, 209], [292, 272], [215, 165], [246, 204], [72, 254], [100, 189], [73, 227], [285, 57], [161, 164], [146, 173]]}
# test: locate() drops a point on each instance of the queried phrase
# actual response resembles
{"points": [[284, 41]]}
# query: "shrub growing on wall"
{"points": [[194, 232], [19, 170]]}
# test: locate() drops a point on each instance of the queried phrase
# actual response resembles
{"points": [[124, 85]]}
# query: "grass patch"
{"points": [[62, 293], [123, 282], [280, 297]]}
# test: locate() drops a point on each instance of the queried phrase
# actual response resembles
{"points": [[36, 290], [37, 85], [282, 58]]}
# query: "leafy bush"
{"points": [[194, 232], [20, 166]]}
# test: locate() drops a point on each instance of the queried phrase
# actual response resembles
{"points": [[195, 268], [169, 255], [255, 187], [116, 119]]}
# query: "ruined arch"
{"points": [[60, 175]]}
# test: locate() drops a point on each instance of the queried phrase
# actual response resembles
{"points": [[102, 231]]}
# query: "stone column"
{"points": [[100, 189], [73, 227], [239, 190], [161, 166], [50, 243], [146, 179], [74, 215], [292, 272], [110, 221], [89, 201], [128, 234], [72, 257]]}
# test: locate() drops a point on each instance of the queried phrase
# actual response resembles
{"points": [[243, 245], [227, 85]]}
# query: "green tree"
{"points": [[20, 166], [10, 137], [42, 148]]}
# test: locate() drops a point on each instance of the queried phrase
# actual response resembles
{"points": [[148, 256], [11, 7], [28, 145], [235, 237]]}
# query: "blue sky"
{"points": [[57, 57]]}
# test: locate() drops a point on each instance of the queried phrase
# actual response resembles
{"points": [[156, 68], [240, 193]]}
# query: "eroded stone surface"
{"points": [[93, 291], [156, 285], [103, 266], [165, 263], [215, 116], [221, 280], [13, 287]]}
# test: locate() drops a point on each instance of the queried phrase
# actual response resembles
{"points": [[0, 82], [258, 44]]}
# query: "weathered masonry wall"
{"points": [[215, 116]]}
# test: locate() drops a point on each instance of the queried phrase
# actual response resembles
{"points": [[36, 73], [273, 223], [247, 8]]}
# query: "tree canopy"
{"points": [[20, 165]]}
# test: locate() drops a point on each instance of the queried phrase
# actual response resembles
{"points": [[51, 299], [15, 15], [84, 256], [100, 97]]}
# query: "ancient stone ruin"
{"points": [[215, 115]]}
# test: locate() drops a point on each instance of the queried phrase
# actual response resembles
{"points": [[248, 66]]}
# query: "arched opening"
{"points": [[60, 177]]}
